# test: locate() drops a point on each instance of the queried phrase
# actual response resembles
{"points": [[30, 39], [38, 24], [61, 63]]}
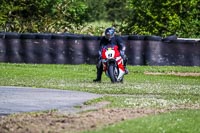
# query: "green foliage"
{"points": [[148, 17], [163, 17], [72, 11], [41, 16], [107, 10], [96, 10], [23, 15], [116, 10]]}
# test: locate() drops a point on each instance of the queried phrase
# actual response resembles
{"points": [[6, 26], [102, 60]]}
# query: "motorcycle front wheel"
{"points": [[113, 72]]}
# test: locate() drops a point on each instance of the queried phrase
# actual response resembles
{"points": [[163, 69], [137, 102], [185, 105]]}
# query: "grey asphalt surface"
{"points": [[25, 99]]}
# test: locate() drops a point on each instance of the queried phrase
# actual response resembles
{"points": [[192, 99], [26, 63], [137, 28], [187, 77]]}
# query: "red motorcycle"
{"points": [[112, 63]]}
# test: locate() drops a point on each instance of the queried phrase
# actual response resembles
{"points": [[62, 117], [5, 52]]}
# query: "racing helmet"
{"points": [[109, 33]]}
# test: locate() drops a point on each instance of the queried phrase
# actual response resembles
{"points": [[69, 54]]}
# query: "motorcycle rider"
{"points": [[110, 38]]}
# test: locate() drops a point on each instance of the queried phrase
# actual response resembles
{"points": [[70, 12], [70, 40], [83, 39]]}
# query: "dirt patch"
{"points": [[173, 73], [56, 122]]}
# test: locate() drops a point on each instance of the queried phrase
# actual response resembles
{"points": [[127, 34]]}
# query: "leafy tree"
{"points": [[41, 15], [108, 10], [162, 17], [96, 10], [151, 17], [116, 10], [21, 15]]}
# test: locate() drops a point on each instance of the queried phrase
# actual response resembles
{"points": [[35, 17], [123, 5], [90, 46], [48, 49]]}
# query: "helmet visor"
{"points": [[108, 36], [109, 33]]}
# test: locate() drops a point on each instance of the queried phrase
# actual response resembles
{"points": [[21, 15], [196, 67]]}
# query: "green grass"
{"points": [[182, 121], [79, 77], [137, 91]]}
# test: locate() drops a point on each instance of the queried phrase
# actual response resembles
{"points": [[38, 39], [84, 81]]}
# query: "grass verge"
{"points": [[182, 121], [139, 90]]}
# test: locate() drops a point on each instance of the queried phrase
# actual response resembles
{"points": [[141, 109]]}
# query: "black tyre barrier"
{"points": [[14, 51], [152, 38], [27, 41], [135, 50], [136, 37], [169, 38], [2, 47], [42, 48], [186, 53], [2, 35], [60, 49], [177, 52], [152, 52], [125, 38], [80, 49], [75, 49], [91, 44]]}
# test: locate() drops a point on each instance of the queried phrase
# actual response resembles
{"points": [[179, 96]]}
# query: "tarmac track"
{"points": [[25, 99]]}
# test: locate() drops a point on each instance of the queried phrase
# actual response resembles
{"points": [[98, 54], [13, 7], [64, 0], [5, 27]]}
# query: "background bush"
{"points": [[149, 17], [163, 17]]}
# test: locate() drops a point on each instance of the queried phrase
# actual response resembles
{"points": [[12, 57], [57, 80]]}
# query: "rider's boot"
{"points": [[126, 69], [99, 73]]}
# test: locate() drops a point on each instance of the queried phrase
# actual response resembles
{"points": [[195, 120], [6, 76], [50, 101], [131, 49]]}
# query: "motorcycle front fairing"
{"points": [[107, 63], [110, 52], [111, 55]]}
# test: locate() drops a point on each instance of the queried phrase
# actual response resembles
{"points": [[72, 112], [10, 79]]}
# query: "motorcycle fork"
{"points": [[115, 63]]}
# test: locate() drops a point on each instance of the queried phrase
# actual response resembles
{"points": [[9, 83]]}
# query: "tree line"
{"points": [[147, 17]]}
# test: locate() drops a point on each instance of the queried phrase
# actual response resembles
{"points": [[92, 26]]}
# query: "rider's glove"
{"points": [[99, 55], [122, 53]]}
